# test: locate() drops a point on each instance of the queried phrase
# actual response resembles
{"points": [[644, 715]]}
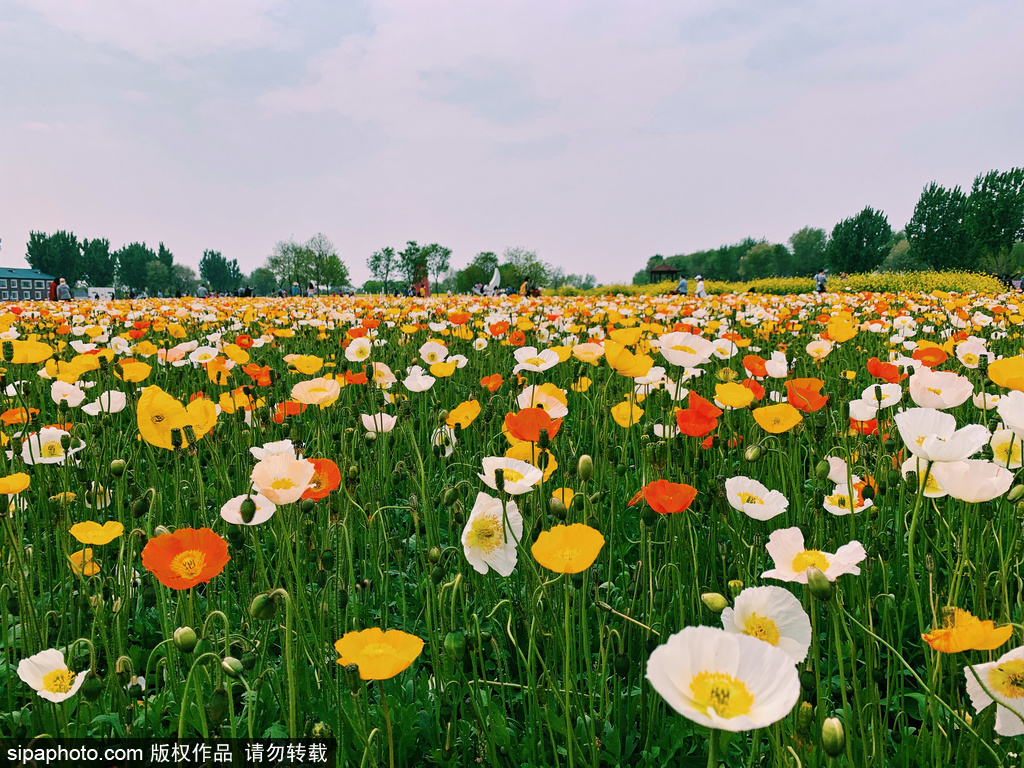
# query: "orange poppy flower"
{"points": [[702, 406], [492, 383], [754, 387], [18, 416], [370, 323], [667, 498], [355, 378], [259, 374], [930, 356], [287, 408], [379, 655], [693, 423], [756, 365], [869, 427], [499, 329], [458, 318], [805, 394], [517, 339], [527, 424], [962, 631], [134, 334], [568, 548], [326, 478], [356, 332], [186, 557], [885, 371], [244, 340]]}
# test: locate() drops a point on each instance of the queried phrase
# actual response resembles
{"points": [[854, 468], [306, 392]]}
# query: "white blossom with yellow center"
{"points": [[48, 674], [519, 477], [773, 615], [492, 534]]}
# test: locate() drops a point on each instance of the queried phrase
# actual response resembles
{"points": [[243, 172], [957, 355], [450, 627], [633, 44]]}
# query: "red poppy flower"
{"points": [[527, 424], [702, 406], [694, 423], [669, 498], [869, 427], [244, 341], [186, 557], [259, 374], [499, 329], [754, 387], [805, 394], [135, 334], [326, 478], [517, 339], [356, 332], [355, 378], [370, 323]]}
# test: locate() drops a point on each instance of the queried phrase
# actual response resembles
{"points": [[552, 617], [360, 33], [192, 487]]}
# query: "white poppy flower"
{"points": [[792, 559], [774, 615], [48, 674], [492, 534]]}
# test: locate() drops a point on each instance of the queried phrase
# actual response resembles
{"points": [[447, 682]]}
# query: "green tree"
{"points": [[995, 212], [220, 274], [413, 262], [382, 265], [263, 281], [58, 254], [158, 277], [758, 261], [860, 243], [438, 259], [286, 262], [184, 280], [322, 265], [98, 263], [132, 263], [901, 258], [808, 246], [937, 233], [519, 264], [165, 257]]}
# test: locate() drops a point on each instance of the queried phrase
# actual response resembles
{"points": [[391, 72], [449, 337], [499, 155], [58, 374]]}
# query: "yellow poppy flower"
{"points": [[778, 418], [307, 364], [379, 655], [14, 484], [463, 414], [733, 395], [626, 414], [91, 532], [443, 370], [82, 564], [568, 548]]}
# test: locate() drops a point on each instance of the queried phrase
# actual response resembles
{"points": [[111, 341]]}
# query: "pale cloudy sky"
{"points": [[597, 132]]}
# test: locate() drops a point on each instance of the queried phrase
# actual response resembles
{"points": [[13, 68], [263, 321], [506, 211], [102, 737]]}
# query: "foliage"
{"points": [[133, 266], [183, 280], [262, 281], [98, 263], [808, 246], [860, 243], [59, 254], [412, 262], [902, 259], [994, 219], [218, 273], [382, 265], [438, 259], [479, 270], [937, 232]]}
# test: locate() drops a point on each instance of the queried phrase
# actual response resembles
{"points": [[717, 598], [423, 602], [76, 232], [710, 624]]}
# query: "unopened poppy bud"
{"points": [[92, 688], [247, 510], [833, 737], [455, 645], [735, 587], [585, 468], [542, 439], [557, 508], [434, 555], [753, 452], [714, 601], [807, 680], [499, 480], [1016, 494], [451, 496], [217, 706], [117, 467], [263, 607], [868, 492], [820, 586], [353, 472], [821, 471], [176, 439], [307, 505], [65, 441], [352, 678], [929, 562], [442, 416], [185, 639], [327, 559], [805, 717], [232, 667], [160, 530], [190, 434]]}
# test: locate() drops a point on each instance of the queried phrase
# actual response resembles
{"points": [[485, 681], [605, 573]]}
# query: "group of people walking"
{"points": [[699, 292]]}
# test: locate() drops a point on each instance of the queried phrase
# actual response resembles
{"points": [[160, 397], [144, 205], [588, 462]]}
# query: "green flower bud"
{"points": [[833, 738], [352, 679], [185, 639], [455, 645], [307, 505], [557, 508], [821, 471], [92, 688], [805, 717], [217, 706], [117, 467], [434, 555], [714, 601], [263, 607], [451, 496], [232, 667], [585, 468], [753, 452], [322, 731], [820, 586], [1016, 494], [327, 559], [248, 510]]}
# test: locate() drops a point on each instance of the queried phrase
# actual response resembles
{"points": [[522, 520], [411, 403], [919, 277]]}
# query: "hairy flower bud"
{"points": [[263, 607], [820, 586], [714, 601], [833, 737], [185, 639], [585, 468]]}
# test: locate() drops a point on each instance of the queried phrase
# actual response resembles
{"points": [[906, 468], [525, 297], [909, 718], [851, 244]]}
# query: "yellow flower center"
{"points": [[282, 484], [1007, 452], [189, 564], [810, 558], [58, 681], [1008, 679], [762, 628], [534, 361], [749, 498], [935, 390], [511, 476], [51, 449], [431, 357], [723, 693], [970, 359], [485, 533], [205, 357], [840, 500], [687, 350], [374, 650]]}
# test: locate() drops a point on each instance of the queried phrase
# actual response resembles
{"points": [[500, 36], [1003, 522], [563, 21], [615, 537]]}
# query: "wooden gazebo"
{"points": [[663, 272]]}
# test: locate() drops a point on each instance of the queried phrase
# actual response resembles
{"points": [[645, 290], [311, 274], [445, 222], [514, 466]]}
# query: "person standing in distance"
{"points": [[699, 291], [820, 280]]}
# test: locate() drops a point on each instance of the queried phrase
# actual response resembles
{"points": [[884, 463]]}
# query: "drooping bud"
{"points": [[352, 678], [455, 645], [247, 510], [185, 639], [753, 452], [820, 586], [232, 667], [821, 471], [585, 468], [833, 737], [714, 601], [557, 508], [217, 706], [434, 555], [263, 607], [92, 688], [1016, 494]]}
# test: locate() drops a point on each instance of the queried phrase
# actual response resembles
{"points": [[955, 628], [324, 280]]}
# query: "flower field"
{"points": [[748, 530]]}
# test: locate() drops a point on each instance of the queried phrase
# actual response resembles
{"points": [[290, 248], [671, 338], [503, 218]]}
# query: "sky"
{"points": [[597, 133]]}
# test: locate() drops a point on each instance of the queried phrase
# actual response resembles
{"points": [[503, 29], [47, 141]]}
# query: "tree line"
{"points": [[137, 269], [978, 230], [395, 270]]}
